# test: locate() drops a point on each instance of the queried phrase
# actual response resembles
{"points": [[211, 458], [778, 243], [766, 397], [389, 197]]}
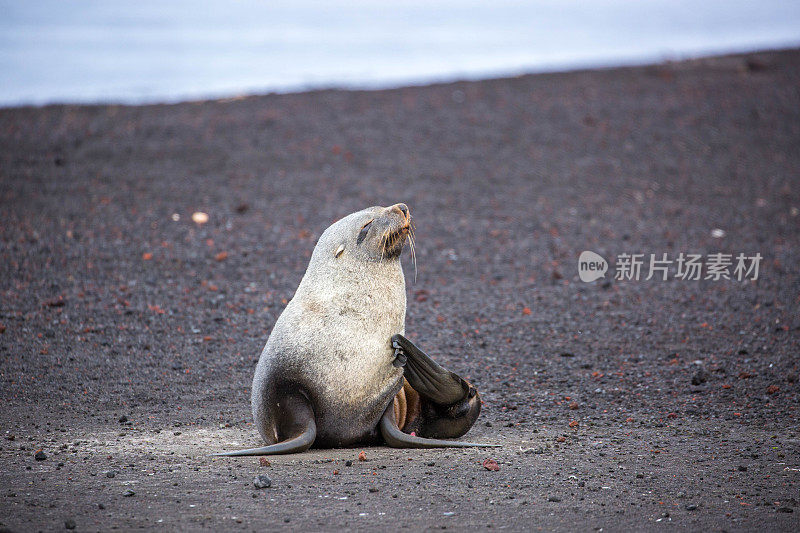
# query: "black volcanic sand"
{"points": [[130, 333]]}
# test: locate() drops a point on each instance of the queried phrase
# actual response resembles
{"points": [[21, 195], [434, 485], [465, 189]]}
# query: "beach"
{"points": [[129, 332]]}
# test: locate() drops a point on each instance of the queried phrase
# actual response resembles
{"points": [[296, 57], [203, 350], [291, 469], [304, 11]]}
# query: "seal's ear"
{"points": [[339, 251]]}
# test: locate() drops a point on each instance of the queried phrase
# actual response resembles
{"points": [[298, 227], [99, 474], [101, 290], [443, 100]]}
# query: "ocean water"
{"points": [[171, 50]]}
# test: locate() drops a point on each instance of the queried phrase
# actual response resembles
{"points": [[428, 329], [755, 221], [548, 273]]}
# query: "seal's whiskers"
{"points": [[413, 252]]}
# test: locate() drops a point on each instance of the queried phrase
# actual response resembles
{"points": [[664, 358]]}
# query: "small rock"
{"points": [[785, 510], [40, 456], [742, 468], [55, 302], [263, 461], [348, 463], [553, 499], [373, 489], [700, 377], [199, 217], [110, 474], [69, 523], [362, 456], [691, 507], [491, 465], [101, 506], [123, 419], [262, 482], [128, 493]]}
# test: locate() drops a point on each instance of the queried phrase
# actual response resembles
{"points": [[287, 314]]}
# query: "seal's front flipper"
{"points": [[427, 377], [397, 439], [400, 358], [296, 426]]}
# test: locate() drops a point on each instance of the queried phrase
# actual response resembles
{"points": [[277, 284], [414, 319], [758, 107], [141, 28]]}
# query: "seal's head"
{"points": [[373, 234]]}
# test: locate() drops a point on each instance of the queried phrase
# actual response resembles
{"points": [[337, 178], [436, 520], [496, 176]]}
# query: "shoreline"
{"points": [[589, 66]]}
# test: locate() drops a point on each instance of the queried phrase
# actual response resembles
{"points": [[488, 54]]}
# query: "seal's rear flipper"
{"points": [[427, 377], [297, 423], [298, 444], [397, 439]]}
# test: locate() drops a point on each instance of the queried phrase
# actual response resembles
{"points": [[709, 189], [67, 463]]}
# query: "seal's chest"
{"points": [[370, 313]]}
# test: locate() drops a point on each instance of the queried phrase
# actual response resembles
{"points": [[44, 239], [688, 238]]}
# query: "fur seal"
{"points": [[337, 371]]}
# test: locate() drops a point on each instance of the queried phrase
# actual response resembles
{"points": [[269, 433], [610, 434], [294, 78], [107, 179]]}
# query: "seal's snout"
{"points": [[397, 224], [402, 209]]}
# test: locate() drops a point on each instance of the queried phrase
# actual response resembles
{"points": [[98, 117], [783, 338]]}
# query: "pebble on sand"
{"points": [[40, 456], [199, 217], [262, 482], [491, 465]]}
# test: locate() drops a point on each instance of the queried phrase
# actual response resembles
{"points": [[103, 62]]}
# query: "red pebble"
{"points": [[491, 465]]}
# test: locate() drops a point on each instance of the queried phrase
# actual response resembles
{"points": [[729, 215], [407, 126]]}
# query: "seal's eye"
{"points": [[363, 234]]}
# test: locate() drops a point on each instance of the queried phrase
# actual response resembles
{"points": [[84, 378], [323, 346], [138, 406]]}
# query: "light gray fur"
{"points": [[333, 338]]}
